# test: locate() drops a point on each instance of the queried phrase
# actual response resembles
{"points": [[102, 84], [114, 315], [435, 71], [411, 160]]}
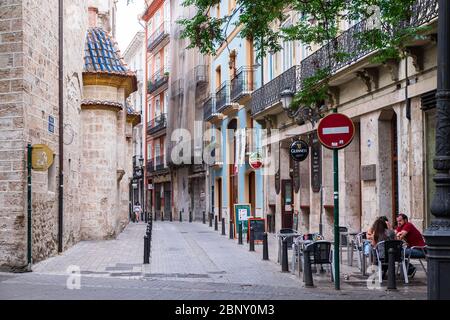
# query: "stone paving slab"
{"points": [[188, 261]]}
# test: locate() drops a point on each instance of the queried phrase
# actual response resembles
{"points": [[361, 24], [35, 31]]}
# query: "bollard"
{"points": [[181, 217], [216, 223], [284, 257], [223, 226], [146, 256], [392, 285], [307, 272], [231, 230], [171, 218], [240, 233], [190, 216], [162, 216], [252, 240], [265, 247], [210, 220], [204, 217]]}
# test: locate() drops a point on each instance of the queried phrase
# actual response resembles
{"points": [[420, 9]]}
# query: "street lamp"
{"points": [[303, 113], [286, 99], [141, 162], [437, 236]]}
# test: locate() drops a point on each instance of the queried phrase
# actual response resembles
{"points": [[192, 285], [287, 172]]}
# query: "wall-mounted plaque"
{"points": [[316, 164], [369, 173]]}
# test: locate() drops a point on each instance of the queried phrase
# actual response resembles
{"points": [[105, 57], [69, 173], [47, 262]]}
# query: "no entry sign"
{"points": [[336, 131]]}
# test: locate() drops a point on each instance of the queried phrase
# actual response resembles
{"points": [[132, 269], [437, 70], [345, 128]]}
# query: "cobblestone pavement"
{"points": [[189, 261]]}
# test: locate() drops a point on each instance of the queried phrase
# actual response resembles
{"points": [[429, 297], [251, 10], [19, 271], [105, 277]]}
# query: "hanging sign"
{"points": [[42, 157], [299, 151], [336, 131], [255, 161], [316, 164]]}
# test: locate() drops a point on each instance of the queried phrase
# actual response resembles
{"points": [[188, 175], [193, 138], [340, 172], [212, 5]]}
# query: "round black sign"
{"points": [[299, 151]]}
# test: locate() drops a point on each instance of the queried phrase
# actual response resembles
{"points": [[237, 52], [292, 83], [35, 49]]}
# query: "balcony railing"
{"points": [[159, 163], [177, 88], [223, 99], [270, 94], [242, 85], [157, 124], [201, 74], [157, 80], [348, 46], [158, 36], [150, 166], [209, 108]]}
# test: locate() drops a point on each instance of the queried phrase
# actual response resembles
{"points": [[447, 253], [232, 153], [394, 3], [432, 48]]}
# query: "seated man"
{"points": [[408, 232]]}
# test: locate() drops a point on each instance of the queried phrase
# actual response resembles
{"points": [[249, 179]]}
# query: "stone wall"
{"points": [[29, 97]]}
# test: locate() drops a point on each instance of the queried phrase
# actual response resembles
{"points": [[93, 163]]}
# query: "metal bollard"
{"points": [[307, 272], [392, 285], [252, 240], [216, 223], [190, 216], [231, 230], [181, 217], [284, 257], [265, 247], [240, 233], [204, 217], [210, 220], [171, 218], [162, 216], [146, 255], [223, 226]]}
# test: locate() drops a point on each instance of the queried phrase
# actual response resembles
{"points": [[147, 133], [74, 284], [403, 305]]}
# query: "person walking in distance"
{"points": [[137, 211]]}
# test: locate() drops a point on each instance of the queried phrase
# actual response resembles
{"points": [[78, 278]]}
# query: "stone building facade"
{"points": [[387, 169], [29, 114]]}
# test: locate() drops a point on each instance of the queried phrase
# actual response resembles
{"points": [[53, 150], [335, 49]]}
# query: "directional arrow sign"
{"points": [[336, 131]]}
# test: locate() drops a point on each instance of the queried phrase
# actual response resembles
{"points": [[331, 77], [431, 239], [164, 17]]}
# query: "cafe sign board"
{"points": [[299, 151], [42, 157]]}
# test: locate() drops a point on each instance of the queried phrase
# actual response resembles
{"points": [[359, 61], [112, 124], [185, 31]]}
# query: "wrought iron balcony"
{"points": [[209, 108], [201, 74], [150, 166], [177, 88], [157, 124], [242, 85], [270, 94], [158, 80], [343, 51], [223, 99], [158, 36], [159, 163], [349, 46]]}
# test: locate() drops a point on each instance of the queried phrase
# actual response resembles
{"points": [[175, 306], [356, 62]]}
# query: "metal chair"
{"points": [[382, 250], [320, 253], [424, 250]]}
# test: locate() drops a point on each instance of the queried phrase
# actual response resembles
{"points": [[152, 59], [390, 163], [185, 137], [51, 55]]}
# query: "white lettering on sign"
{"points": [[336, 130]]}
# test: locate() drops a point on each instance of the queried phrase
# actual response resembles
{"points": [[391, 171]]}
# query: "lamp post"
{"points": [[437, 236]]}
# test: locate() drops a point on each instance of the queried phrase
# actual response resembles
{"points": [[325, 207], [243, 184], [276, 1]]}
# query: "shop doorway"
{"points": [[287, 203]]}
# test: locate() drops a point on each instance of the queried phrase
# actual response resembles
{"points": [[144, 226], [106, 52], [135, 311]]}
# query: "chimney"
{"points": [[93, 14]]}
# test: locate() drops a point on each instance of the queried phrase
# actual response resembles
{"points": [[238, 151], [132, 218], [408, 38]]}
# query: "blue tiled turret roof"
{"points": [[102, 54]]}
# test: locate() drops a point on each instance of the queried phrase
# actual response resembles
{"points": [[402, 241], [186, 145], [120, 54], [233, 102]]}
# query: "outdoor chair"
{"points": [[424, 250], [382, 250], [290, 235], [320, 253]]}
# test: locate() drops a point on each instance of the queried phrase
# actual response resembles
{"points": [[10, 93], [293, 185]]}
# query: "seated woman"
{"points": [[381, 232]]}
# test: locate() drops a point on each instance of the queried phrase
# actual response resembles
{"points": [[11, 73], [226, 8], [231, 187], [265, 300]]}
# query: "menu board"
{"points": [[259, 228], [242, 213]]}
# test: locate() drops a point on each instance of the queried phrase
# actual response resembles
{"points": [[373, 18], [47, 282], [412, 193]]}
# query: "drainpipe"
{"points": [[61, 129]]}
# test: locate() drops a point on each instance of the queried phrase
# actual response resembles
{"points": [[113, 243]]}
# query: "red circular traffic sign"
{"points": [[336, 131]]}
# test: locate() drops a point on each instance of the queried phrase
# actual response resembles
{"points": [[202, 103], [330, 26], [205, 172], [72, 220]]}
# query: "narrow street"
{"points": [[190, 261]]}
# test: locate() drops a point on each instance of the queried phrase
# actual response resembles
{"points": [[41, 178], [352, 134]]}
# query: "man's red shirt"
{"points": [[414, 238]]}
